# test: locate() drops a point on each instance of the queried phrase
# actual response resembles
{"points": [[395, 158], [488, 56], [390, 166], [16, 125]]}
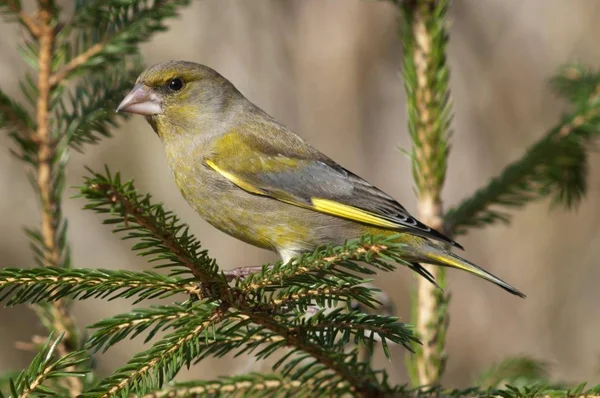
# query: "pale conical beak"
{"points": [[141, 100]]}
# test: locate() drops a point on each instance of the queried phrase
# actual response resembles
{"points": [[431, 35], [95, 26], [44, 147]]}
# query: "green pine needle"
{"points": [[153, 320], [105, 31], [87, 114], [555, 167], [252, 385], [46, 367], [34, 285]]}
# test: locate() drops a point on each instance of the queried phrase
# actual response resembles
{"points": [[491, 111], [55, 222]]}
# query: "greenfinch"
{"points": [[254, 179]]}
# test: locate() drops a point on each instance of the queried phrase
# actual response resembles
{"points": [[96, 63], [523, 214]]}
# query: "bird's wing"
{"points": [[291, 171]]}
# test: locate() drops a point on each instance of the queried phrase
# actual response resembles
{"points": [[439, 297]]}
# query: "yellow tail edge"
{"points": [[448, 259]]}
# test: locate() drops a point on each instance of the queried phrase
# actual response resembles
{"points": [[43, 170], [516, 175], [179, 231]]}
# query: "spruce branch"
{"points": [[149, 369], [58, 51], [301, 298], [555, 166], [379, 252], [42, 137], [13, 116], [89, 112], [576, 83], [426, 82], [107, 30], [162, 235], [248, 385], [329, 328], [12, 8], [45, 366], [36, 142], [164, 238], [508, 391], [35, 285], [154, 319]]}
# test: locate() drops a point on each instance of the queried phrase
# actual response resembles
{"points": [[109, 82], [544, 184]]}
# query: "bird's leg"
{"points": [[241, 272]]}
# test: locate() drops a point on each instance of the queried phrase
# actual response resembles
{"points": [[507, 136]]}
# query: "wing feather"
{"points": [[304, 177]]}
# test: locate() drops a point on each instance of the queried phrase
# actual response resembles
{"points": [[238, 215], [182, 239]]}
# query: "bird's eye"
{"points": [[176, 84]]}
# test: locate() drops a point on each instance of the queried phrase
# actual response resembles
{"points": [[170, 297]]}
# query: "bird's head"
{"points": [[179, 94]]}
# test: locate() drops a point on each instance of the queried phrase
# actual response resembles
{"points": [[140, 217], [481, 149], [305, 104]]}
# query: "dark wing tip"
{"points": [[512, 290], [435, 234], [456, 244]]}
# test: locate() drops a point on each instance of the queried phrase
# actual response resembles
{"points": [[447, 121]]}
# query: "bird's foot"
{"points": [[241, 272]]}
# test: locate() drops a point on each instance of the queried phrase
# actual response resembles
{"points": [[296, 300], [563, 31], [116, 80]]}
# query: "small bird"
{"points": [[254, 179]]}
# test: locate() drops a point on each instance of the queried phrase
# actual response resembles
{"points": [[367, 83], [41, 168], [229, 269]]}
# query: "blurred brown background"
{"points": [[329, 69]]}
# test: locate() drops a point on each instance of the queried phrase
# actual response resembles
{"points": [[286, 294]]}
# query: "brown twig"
{"points": [[61, 319], [73, 64], [45, 148], [27, 21]]}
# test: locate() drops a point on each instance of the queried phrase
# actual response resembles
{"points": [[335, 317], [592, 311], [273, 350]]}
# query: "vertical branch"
{"points": [[43, 139], [49, 176], [426, 83]]}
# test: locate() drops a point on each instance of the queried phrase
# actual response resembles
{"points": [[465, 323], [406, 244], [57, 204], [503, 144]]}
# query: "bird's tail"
{"points": [[439, 256]]}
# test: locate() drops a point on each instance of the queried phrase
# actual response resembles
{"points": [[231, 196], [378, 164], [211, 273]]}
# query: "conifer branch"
{"points": [[155, 319], [90, 112], [249, 385], [75, 63], [353, 327], [43, 139], [379, 254], [13, 8], [426, 81], [100, 32], [49, 174], [147, 370], [162, 235], [300, 299], [14, 117], [164, 238], [508, 391], [46, 365], [35, 285], [555, 166], [107, 30]]}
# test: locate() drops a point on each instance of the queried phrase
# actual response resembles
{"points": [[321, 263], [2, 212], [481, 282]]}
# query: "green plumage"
{"points": [[252, 178]]}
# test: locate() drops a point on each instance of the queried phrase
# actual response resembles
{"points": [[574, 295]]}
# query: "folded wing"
{"points": [[291, 171]]}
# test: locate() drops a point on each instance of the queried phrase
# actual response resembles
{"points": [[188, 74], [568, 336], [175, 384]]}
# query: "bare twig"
{"points": [[27, 21], [61, 319], [45, 148], [69, 67]]}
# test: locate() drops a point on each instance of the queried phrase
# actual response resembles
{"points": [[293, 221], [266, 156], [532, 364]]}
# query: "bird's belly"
{"points": [[261, 220]]}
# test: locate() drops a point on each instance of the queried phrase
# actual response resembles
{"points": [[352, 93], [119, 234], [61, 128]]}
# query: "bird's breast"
{"points": [[259, 220]]}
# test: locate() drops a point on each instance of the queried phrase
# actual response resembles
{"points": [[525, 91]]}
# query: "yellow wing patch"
{"points": [[350, 212], [233, 178], [321, 205]]}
